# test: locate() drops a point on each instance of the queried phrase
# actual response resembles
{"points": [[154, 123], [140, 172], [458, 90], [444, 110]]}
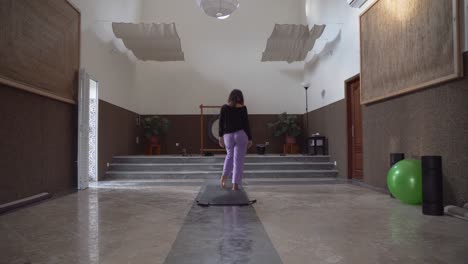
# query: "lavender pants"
{"points": [[236, 147]]}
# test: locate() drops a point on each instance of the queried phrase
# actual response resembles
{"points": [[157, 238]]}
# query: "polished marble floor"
{"points": [[304, 223]]}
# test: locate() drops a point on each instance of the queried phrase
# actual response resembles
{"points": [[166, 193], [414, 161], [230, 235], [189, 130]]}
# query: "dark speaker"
{"points": [[261, 149], [433, 203], [394, 159]]}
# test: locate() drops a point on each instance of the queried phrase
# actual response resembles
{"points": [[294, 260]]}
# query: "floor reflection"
{"points": [[290, 224], [236, 242], [89, 213]]}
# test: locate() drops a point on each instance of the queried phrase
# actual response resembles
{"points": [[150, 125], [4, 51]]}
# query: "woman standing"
{"points": [[235, 136]]}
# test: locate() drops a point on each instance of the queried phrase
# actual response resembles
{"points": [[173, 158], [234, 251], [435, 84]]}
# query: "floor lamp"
{"points": [[306, 146]]}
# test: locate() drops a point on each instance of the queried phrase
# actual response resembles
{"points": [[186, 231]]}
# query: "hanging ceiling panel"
{"points": [[151, 42], [291, 43]]}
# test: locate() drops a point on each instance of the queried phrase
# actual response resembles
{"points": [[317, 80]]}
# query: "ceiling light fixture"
{"points": [[220, 9], [223, 17]]}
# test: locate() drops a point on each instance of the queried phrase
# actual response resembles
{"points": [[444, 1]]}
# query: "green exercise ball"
{"points": [[404, 181]]}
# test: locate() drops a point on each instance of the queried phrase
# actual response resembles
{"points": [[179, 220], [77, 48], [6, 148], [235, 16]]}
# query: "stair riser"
{"points": [[219, 167], [198, 160], [217, 175]]}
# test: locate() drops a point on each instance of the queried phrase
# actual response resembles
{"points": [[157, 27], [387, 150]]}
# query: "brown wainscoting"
{"points": [[330, 121], [118, 131], [261, 133], [37, 145], [429, 122], [185, 130]]}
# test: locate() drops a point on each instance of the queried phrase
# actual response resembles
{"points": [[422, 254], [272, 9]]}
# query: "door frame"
{"points": [[349, 122], [83, 150]]}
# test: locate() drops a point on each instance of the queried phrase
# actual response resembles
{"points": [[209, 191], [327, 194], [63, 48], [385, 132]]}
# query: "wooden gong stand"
{"points": [[204, 150]]}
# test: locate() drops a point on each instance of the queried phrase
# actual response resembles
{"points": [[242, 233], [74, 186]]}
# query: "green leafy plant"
{"points": [[286, 126], [155, 126]]}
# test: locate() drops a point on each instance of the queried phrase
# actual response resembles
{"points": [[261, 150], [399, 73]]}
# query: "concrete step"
{"points": [[148, 175], [217, 159], [199, 182], [168, 167]]}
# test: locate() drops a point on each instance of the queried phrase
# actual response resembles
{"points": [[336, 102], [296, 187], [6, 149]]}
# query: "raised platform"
{"points": [[217, 159], [199, 167]]}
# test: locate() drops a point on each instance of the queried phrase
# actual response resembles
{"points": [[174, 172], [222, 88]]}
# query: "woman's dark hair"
{"points": [[236, 97]]}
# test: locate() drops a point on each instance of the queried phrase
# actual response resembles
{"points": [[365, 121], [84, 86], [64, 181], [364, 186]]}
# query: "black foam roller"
{"points": [[433, 200]]}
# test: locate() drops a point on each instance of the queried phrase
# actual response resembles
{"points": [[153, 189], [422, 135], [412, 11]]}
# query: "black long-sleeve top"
{"points": [[233, 119]]}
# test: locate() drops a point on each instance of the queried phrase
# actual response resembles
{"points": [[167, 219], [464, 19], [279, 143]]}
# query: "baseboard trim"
{"points": [[368, 186], [24, 202]]}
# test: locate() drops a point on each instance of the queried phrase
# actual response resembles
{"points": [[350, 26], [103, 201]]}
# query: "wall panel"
{"points": [[429, 122], [40, 47], [37, 145], [330, 121], [117, 134], [419, 47]]}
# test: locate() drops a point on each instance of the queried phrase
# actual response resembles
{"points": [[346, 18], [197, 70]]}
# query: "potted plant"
{"points": [[155, 127], [286, 126]]}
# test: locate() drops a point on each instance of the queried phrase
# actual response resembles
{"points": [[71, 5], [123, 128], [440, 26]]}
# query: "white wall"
{"points": [[328, 73], [221, 56], [102, 55], [327, 76]]}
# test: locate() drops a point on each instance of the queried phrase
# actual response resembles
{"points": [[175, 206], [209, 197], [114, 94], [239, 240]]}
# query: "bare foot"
{"points": [[235, 187], [223, 181]]}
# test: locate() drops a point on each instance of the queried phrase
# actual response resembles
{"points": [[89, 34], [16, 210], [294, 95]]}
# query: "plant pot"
{"points": [[290, 140], [154, 140]]}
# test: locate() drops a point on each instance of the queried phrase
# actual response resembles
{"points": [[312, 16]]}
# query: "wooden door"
{"points": [[355, 156]]}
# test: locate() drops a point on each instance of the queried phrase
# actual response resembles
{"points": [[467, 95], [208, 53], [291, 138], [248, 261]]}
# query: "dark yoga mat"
{"points": [[213, 195], [222, 235]]}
